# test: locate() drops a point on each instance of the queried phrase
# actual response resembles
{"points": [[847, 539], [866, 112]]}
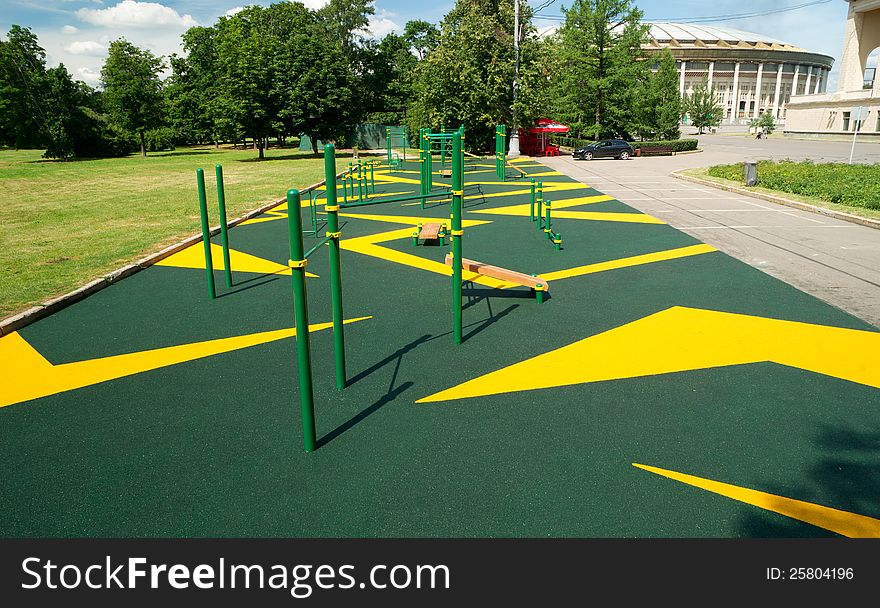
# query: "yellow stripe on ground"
{"points": [[525, 210], [560, 187], [684, 339], [545, 174], [844, 523], [194, 257], [368, 245], [274, 215], [35, 377], [636, 260], [602, 216]]}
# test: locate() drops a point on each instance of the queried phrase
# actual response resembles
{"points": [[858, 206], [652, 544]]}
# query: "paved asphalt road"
{"points": [[836, 261]]}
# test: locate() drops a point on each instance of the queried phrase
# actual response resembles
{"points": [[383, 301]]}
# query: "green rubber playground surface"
{"points": [[751, 407]]}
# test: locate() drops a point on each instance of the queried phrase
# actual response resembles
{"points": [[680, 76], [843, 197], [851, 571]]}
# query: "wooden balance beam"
{"points": [[429, 232], [536, 284]]}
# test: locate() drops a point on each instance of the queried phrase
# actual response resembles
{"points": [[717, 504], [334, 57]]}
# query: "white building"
{"points": [[858, 90], [751, 73]]}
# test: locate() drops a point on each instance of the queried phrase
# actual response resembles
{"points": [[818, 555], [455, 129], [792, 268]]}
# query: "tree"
{"points": [[421, 36], [347, 21], [468, 78], [22, 68], [132, 89], [600, 52], [388, 83], [765, 122], [702, 107], [659, 101]]}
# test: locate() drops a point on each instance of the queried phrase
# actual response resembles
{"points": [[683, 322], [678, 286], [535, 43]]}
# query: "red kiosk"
{"points": [[535, 141]]}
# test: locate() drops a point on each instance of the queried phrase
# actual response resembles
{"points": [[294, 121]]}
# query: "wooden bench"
{"points": [[431, 231], [536, 284], [445, 172]]}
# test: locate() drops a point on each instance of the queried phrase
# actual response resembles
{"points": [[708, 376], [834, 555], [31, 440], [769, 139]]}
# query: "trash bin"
{"points": [[750, 173]]}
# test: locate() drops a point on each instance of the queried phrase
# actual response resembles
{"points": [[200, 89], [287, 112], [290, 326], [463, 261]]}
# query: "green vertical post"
{"points": [[388, 144], [547, 230], [297, 265], [332, 210], [539, 293], [206, 233], [532, 200], [405, 142], [538, 203], [224, 235], [442, 148], [372, 177], [425, 163], [457, 233]]}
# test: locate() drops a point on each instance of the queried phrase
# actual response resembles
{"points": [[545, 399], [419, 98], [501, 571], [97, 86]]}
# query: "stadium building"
{"points": [[751, 73]]}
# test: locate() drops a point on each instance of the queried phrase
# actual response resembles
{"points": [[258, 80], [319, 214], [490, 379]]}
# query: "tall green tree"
{"points": [[132, 89], [702, 107], [659, 103], [192, 90], [600, 52], [22, 70], [421, 36], [388, 82], [468, 78]]}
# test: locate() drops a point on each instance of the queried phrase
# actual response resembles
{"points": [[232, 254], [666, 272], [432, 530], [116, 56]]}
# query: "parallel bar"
{"points": [[224, 236], [399, 199], [335, 265], [301, 320], [320, 244], [457, 196], [206, 233]]}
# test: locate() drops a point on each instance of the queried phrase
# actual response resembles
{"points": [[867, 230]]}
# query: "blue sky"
{"points": [[76, 32]]}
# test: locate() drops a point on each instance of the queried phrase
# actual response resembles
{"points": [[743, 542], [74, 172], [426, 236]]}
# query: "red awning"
{"points": [[545, 125]]}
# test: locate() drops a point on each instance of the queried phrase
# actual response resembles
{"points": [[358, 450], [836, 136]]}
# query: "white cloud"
{"points": [[89, 76], [381, 25], [315, 4], [129, 13], [233, 11], [69, 29], [86, 47]]}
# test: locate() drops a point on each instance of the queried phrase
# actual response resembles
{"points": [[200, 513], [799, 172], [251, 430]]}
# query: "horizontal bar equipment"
{"points": [[398, 199]]}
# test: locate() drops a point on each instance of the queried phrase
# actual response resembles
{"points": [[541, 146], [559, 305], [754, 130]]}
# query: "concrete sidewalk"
{"points": [[834, 260]]}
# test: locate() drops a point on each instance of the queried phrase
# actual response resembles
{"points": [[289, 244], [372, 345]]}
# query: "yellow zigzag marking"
{"points": [[842, 522], [35, 377], [368, 245], [683, 339], [636, 260], [273, 216], [556, 187], [597, 216], [194, 257], [524, 210]]}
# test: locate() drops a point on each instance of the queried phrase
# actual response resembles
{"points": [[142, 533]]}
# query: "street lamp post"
{"points": [[514, 137]]}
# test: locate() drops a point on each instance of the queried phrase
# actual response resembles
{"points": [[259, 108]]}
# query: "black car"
{"points": [[605, 148]]}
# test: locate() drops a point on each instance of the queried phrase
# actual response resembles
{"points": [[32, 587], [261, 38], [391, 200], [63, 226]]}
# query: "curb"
{"points": [[40, 311], [838, 215]]}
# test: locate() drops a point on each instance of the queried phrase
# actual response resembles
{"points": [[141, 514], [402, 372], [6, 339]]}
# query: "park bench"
{"points": [[536, 284]]}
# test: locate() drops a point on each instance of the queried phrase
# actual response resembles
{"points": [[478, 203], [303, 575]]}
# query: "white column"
{"points": [[711, 71], [809, 80], [778, 89], [794, 82], [681, 79], [757, 109], [734, 109], [818, 81]]}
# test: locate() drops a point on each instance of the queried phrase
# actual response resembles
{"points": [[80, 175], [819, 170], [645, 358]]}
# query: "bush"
{"points": [[852, 185], [159, 140], [677, 145]]}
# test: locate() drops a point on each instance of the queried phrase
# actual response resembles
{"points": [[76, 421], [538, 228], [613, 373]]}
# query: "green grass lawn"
{"points": [[63, 224], [732, 177]]}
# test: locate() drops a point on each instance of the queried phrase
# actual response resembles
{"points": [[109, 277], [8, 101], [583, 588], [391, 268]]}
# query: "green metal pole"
{"points": [[457, 233], [372, 177], [539, 202], [424, 162], [301, 318], [332, 210], [224, 236], [206, 233], [388, 144], [547, 221], [532, 200], [405, 142]]}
